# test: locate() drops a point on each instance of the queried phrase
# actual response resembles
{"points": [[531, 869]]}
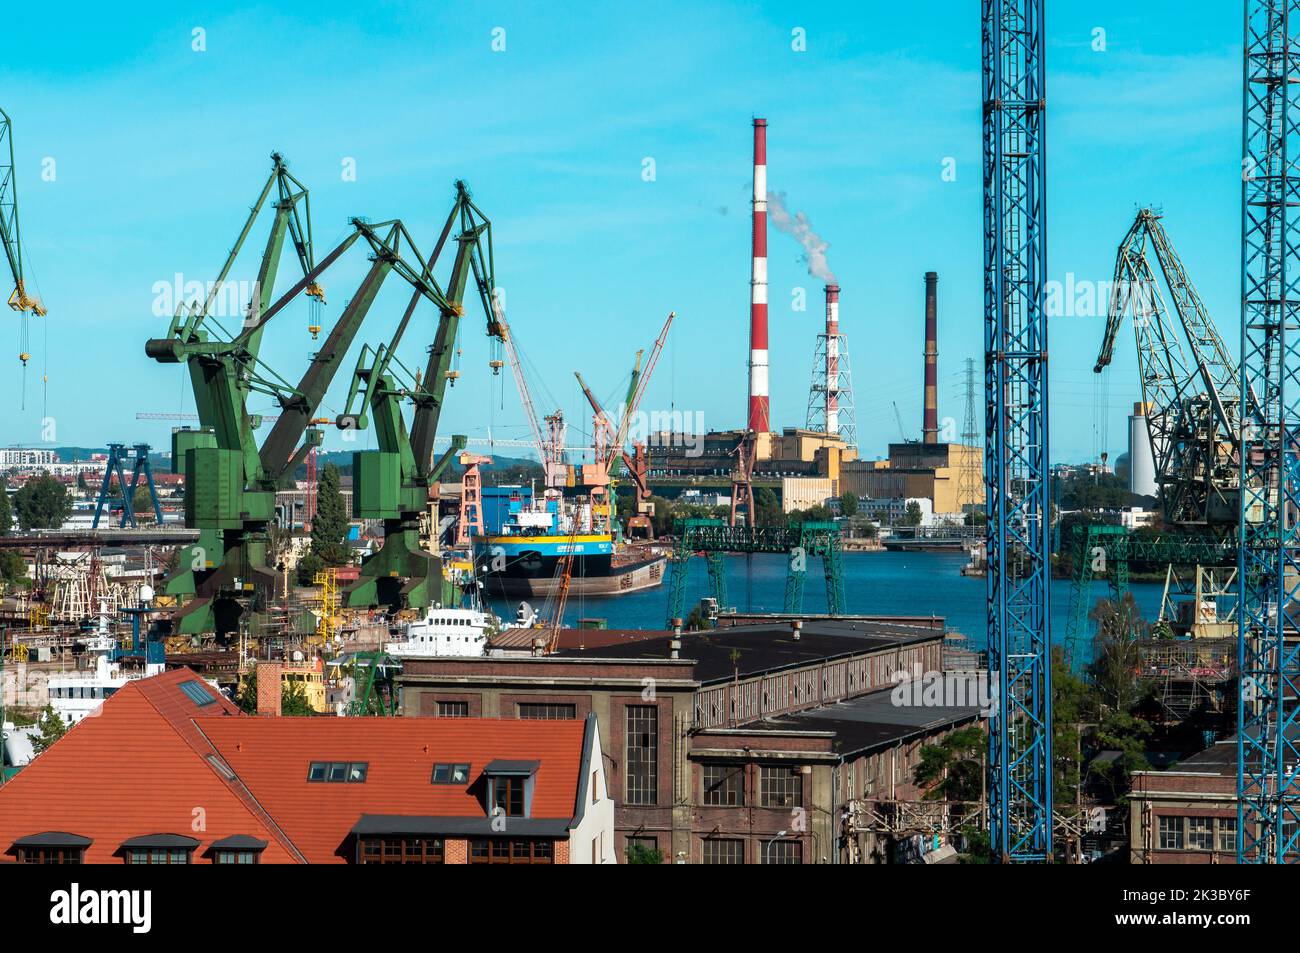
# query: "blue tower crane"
{"points": [[1015, 460], [1268, 615]]}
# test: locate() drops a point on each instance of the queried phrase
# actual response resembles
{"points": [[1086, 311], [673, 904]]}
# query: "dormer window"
{"points": [[510, 787]]}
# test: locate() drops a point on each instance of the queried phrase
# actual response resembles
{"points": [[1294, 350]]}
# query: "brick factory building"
{"points": [[743, 744], [1187, 814]]}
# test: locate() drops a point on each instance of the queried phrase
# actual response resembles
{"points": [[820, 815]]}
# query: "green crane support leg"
{"points": [[718, 578], [796, 572]]}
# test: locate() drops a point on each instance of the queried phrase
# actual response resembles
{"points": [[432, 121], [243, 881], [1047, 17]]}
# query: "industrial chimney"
{"points": [[930, 425], [758, 417], [832, 359]]}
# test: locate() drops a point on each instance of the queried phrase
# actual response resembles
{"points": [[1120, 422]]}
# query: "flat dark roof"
{"points": [[869, 721], [766, 647]]}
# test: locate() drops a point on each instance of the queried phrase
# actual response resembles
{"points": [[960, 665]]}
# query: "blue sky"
{"points": [[159, 150]]}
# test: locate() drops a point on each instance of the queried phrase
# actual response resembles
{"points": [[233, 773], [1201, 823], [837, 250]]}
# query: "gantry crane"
{"points": [[393, 482], [1016, 450], [11, 237], [1192, 395], [231, 481]]}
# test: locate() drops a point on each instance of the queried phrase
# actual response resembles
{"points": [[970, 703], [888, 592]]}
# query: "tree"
{"points": [[913, 515], [50, 729], [953, 769], [1070, 702], [307, 568], [246, 693], [42, 503], [329, 527], [849, 504], [142, 504], [640, 854], [1116, 652], [293, 699], [767, 508], [12, 567], [6, 509]]}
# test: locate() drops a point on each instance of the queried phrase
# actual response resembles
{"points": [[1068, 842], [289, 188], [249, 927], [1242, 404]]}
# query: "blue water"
{"points": [[886, 583]]}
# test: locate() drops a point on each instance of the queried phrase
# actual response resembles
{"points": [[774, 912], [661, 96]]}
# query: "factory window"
{"points": [[1171, 833], [780, 786], [499, 850], [236, 856], [157, 855], [1227, 834], [724, 785], [720, 851], [508, 795], [542, 712], [642, 755], [51, 854], [450, 774], [783, 852], [338, 772], [452, 710], [1200, 833], [401, 850]]}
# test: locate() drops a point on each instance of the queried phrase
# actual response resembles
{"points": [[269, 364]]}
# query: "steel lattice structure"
{"points": [[1016, 461], [1269, 567]]}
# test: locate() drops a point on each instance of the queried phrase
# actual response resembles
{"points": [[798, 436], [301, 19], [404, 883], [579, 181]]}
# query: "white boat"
{"points": [[445, 633]]}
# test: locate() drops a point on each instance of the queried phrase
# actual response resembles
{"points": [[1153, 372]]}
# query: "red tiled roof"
{"points": [[272, 756], [144, 766]]}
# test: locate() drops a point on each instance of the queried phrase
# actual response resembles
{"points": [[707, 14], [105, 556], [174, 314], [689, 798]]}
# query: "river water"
{"points": [[883, 583]]}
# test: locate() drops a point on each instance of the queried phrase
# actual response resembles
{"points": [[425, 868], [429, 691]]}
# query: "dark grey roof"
{"points": [[765, 647], [53, 839], [482, 826], [161, 841], [238, 842], [505, 766], [870, 721]]}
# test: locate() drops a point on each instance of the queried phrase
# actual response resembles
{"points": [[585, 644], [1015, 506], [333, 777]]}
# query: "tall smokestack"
{"points": [[832, 359], [930, 425], [759, 419]]}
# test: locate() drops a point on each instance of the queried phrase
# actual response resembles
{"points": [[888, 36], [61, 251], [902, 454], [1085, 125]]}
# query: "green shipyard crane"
{"points": [[1192, 395], [392, 483], [11, 236], [231, 481]]}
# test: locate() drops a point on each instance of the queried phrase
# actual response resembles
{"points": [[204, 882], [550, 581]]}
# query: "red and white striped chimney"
{"points": [[759, 419], [832, 359]]}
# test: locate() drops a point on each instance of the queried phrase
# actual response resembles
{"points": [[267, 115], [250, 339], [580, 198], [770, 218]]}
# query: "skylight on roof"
{"points": [[197, 692]]}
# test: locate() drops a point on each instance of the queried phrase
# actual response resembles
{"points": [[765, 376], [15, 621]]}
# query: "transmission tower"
{"points": [[830, 398], [1016, 460], [1268, 788]]}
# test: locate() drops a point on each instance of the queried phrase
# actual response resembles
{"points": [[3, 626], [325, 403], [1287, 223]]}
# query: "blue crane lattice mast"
{"points": [[1016, 461], [1268, 612]]}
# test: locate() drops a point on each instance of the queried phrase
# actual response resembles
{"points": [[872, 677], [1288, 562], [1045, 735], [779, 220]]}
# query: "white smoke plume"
{"points": [[797, 225]]}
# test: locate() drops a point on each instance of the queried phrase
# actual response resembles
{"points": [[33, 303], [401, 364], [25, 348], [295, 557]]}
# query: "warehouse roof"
{"points": [[748, 650]]}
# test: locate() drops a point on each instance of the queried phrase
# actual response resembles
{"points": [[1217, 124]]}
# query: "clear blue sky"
{"points": [[159, 150]]}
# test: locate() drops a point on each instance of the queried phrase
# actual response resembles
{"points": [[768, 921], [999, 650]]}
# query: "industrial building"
{"points": [[1188, 813], [743, 744], [939, 472]]}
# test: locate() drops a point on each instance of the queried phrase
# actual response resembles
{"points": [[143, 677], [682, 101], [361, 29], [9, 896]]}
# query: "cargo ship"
{"points": [[527, 537]]}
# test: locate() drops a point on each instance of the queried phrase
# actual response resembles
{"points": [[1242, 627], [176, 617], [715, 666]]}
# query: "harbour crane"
{"points": [[393, 482], [615, 438], [20, 299], [1192, 394], [230, 479]]}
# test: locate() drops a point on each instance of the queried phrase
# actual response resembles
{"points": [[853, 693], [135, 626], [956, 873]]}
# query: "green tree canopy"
{"points": [[849, 504], [6, 509], [42, 503], [329, 527], [50, 728]]}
